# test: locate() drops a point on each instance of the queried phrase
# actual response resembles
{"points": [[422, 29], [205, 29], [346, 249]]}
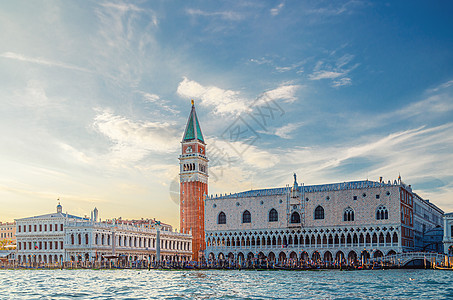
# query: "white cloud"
{"points": [[286, 92], [42, 61], [284, 131], [231, 102], [131, 140], [276, 10], [223, 101]]}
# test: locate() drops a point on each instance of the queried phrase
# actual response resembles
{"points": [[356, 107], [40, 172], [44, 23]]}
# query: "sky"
{"points": [[94, 98]]}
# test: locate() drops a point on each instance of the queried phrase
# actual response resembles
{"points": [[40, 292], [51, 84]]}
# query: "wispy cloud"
{"points": [[155, 99], [335, 8], [276, 10], [123, 35], [280, 67], [442, 86], [42, 61], [226, 15], [414, 151], [337, 71]]}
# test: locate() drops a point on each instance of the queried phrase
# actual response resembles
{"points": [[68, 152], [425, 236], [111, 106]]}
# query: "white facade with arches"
{"points": [[61, 237], [91, 241], [347, 220]]}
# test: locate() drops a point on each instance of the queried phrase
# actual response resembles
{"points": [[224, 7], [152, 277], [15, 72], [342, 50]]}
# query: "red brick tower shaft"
{"points": [[193, 184]]}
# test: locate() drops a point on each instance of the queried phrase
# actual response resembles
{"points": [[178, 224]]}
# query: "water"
{"points": [[219, 284]]}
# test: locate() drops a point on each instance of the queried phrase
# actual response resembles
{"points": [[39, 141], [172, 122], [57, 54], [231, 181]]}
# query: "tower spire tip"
{"points": [[193, 103]]}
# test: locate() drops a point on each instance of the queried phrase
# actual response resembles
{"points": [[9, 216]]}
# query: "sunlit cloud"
{"points": [[131, 140]]}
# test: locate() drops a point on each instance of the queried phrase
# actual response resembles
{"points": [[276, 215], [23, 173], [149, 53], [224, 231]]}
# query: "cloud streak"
{"points": [[225, 15], [42, 61]]}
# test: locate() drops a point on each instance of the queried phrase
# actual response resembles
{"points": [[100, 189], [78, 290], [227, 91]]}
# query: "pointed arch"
{"points": [[221, 218], [295, 218], [319, 213], [348, 215], [246, 217], [273, 215]]}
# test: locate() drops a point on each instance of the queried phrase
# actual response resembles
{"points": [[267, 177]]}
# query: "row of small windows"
{"points": [[247, 217], [40, 227], [39, 245], [193, 167], [348, 216]]}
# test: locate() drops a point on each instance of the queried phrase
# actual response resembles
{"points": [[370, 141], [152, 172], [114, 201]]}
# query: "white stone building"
{"points": [[41, 238], [320, 222], [448, 234], [91, 241], [60, 237]]}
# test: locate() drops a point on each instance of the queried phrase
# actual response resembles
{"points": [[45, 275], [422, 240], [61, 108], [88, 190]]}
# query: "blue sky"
{"points": [[95, 96]]}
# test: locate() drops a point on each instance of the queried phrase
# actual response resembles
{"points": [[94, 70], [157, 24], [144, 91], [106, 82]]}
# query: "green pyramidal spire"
{"points": [[193, 130]]}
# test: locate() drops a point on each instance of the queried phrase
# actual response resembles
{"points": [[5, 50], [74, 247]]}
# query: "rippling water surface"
{"points": [[218, 284]]}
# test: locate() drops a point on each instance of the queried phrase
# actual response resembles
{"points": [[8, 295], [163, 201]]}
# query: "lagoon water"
{"points": [[219, 284]]}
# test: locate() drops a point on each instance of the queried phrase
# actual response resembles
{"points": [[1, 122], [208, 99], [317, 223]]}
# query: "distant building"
{"points": [[8, 233], [59, 237], [349, 220], [448, 234], [193, 184], [427, 217], [433, 240], [146, 223]]}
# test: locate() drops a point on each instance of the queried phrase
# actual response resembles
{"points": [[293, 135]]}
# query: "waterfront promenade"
{"points": [[419, 260]]}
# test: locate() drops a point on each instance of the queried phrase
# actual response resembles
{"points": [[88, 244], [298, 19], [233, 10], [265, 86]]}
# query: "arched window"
{"points": [[295, 217], [319, 213], [273, 215], [348, 214], [382, 213], [221, 219], [246, 217]]}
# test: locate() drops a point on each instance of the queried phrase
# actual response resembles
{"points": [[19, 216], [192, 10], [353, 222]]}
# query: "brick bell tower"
{"points": [[193, 177]]}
